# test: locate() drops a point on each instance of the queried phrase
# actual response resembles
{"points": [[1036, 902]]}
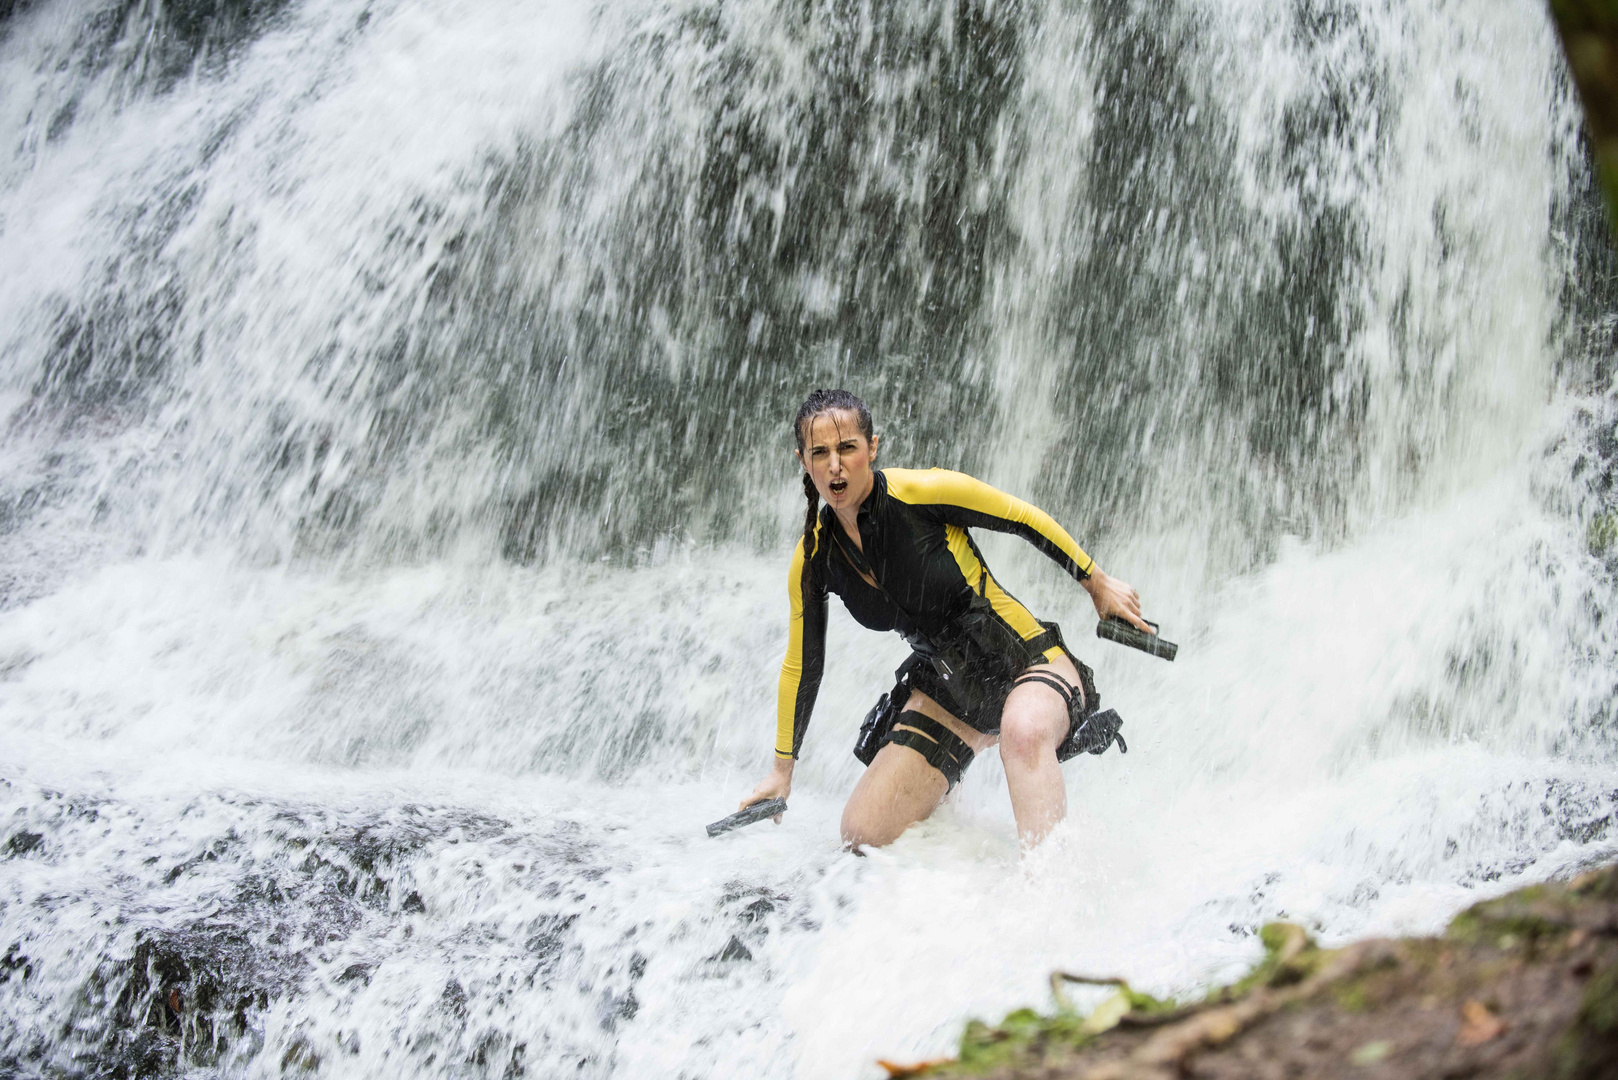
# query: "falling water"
{"points": [[397, 492]]}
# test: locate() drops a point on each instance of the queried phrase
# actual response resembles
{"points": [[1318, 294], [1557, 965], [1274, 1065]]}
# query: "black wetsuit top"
{"points": [[928, 571]]}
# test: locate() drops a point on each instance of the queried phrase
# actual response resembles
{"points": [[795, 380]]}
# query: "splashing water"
{"points": [[397, 491]]}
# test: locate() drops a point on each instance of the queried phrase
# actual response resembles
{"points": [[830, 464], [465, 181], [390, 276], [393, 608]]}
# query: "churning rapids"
{"points": [[397, 492]]}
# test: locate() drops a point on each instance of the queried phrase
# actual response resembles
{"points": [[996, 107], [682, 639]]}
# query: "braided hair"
{"points": [[823, 401]]}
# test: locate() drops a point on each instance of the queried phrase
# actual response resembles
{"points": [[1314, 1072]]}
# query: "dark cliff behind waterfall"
{"points": [[1045, 243]]}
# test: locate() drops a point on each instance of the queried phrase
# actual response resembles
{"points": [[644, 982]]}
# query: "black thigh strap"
{"points": [[1088, 730], [942, 748], [1055, 682]]}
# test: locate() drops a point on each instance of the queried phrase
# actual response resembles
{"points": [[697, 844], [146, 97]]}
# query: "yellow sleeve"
{"points": [[958, 499], [805, 659]]}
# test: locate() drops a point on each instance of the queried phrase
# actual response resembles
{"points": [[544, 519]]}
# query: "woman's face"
{"points": [[839, 458]]}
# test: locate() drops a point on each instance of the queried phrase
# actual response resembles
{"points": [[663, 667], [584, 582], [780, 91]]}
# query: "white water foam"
{"points": [[1275, 771], [384, 814]]}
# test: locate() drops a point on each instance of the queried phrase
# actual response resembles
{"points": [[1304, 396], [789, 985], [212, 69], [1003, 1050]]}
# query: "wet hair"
{"points": [[823, 401]]}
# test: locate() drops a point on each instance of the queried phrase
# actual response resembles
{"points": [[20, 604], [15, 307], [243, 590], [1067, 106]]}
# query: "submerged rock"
{"points": [[1525, 985]]}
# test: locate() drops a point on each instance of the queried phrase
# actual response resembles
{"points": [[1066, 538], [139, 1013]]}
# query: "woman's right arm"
{"points": [[800, 676], [777, 785]]}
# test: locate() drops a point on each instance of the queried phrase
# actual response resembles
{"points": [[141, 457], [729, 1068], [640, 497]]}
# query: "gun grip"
{"points": [[1112, 628]]}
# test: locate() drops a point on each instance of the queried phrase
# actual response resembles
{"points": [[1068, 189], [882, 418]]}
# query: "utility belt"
{"points": [[978, 654]]}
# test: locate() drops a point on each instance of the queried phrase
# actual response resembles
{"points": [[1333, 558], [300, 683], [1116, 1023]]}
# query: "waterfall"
{"points": [[398, 489]]}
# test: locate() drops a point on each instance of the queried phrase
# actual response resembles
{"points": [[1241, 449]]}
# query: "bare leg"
{"points": [[1032, 725], [900, 788]]}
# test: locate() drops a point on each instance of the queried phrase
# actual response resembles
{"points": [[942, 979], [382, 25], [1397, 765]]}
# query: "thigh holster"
{"points": [[879, 721], [942, 748], [1090, 730]]}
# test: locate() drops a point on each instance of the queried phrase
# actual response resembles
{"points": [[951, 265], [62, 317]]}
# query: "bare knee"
{"points": [[860, 829], [852, 828], [863, 822], [898, 790], [1027, 738]]}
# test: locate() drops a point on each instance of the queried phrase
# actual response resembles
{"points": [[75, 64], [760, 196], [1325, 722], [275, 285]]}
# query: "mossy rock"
{"points": [[1602, 534], [1522, 985]]}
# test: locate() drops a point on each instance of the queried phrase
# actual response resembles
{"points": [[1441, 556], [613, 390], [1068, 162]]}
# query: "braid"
{"points": [[817, 402], [811, 515]]}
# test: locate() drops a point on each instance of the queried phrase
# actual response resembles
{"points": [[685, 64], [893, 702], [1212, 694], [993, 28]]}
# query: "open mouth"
{"points": [[838, 486]]}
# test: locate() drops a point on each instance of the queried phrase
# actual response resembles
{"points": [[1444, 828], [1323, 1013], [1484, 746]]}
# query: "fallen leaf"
{"points": [[1107, 1014], [898, 1072], [1479, 1025], [174, 1000]]}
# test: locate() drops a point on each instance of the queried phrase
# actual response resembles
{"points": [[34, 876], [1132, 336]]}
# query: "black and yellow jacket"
{"points": [[927, 569]]}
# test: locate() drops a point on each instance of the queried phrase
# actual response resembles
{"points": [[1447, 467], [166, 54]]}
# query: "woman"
{"points": [[893, 544]]}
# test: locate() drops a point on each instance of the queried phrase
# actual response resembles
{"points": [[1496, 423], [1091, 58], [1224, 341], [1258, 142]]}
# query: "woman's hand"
{"points": [[777, 785], [1114, 597]]}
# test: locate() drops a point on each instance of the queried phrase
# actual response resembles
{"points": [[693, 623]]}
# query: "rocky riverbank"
{"points": [[1522, 986]]}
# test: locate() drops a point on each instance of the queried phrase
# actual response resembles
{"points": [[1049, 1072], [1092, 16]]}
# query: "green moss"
{"points": [[1589, 1048], [985, 1048], [1514, 916], [1146, 1003], [981, 1044], [1353, 998], [1020, 1020], [1026, 1032], [1598, 1010], [1290, 956], [1597, 884]]}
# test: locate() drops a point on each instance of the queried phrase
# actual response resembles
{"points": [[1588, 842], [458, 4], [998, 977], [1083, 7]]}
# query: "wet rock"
{"points": [[615, 1008], [299, 1058], [734, 950], [14, 965], [453, 1000], [357, 973]]}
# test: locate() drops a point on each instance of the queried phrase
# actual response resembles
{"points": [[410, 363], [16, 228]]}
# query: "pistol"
{"points": [[757, 812], [1115, 629]]}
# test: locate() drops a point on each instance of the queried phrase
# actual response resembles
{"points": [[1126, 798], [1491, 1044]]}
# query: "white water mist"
{"points": [[397, 491]]}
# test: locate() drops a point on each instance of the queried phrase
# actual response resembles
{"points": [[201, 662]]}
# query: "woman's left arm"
{"points": [[962, 500], [1113, 596]]}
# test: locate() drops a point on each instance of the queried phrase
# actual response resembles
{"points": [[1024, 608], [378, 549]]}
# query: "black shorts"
{"points": [[973, 684], [974, 692]]}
